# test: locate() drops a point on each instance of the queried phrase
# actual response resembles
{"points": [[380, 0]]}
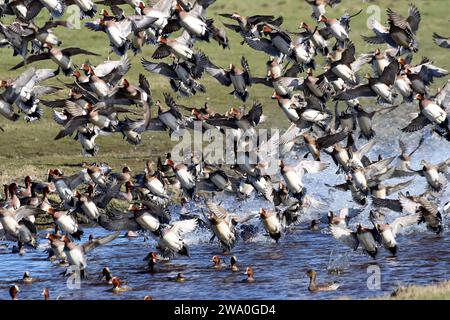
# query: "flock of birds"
{"points": [[99, 94]]}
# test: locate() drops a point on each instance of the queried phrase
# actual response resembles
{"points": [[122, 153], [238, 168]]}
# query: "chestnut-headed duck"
{"points": [[56, 250], [152, 258], [249, 273], [46, 294], [117, 286], [13, 291], [217, 262], [314, 287]]}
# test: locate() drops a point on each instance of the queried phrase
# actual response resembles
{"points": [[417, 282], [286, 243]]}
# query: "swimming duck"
{"points": [[13, 291], [46, 294], [107, 275], [27, 279], [117, 286], [249, 273], [217, 262], [233, 264], [314, 287], [180, 278]]}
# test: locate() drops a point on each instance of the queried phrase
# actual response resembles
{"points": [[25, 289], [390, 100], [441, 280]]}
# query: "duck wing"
{"points": [[30, 59], [161, 52], [390, 73], [217, 210], [118, 222], [184, 226], [397, 187], [76, 51], [361, 91], [92, 244], [403, 222], [218, 73], [441, 41], [71, 126], [160, 68], [346, 236], [417, 124], [263, 45], [414, 18]]}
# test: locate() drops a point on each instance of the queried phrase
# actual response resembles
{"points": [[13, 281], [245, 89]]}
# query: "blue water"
{"points": [[423, 257]]}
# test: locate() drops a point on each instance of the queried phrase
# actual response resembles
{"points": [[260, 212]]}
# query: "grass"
{"points": [[439, 291], [30, 149]]}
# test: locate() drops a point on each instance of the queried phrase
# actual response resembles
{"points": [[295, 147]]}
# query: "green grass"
{"points": [[439, 291], [30, 149]]}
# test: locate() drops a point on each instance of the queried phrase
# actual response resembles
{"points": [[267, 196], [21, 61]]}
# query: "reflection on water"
{"points": [[423, 257]]}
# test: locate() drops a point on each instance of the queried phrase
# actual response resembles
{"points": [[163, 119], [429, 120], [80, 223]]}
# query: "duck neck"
{"points": [[312, 283]]}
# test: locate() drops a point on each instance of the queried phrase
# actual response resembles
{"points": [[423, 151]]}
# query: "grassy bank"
{"points": [[439, 291], [30, 149]]}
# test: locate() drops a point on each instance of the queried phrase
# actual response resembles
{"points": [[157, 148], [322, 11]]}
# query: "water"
{"points": [[423, 257]]}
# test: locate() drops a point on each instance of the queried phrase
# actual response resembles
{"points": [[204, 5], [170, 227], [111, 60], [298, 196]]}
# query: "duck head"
{"points": [[116, 282], [311, 273], [322, 18], [13, 291], [303, 25], [48, 46], [267, 29], [216, 260], [46, 294], [249, 272]]}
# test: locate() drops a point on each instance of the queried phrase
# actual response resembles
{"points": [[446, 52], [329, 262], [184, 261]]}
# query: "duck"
{"points": [[388, 232], [319, 6], [152, 258], [217, 262], [186, 179], [148, 298], [376, 87], [66, 223], [56, 250], [272, 223], [431, 113], [441, 41], [314, 287], [117, 31], [344, 216], [13, 291], [404, 168], [222, 224], [27, 279], [240, 78], [107, 275], [17, 228], [117, 285], [401, 32], [76, 254], [46, 293], [293, 175], [335, 27], [194, 24], [169, 237], [249, 273], [367, 238], [315, 145], [431, 173], [61, 57], [233, 264]]}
